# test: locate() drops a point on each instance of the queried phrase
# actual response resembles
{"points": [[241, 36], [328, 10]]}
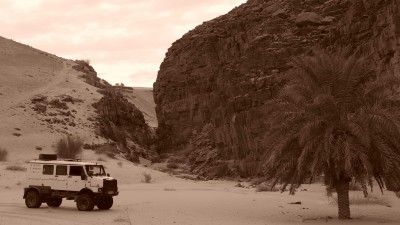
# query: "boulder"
{"points": [[308, 18]]}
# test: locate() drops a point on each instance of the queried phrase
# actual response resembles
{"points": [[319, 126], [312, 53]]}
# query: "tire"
{"points": [[54, 202], [32, 199], [85, 202], [105, 202]]}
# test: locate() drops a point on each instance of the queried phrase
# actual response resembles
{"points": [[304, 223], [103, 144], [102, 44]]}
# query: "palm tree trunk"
{"points": [[342, 190]]}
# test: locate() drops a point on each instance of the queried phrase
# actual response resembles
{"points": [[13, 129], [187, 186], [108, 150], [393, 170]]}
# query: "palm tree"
{"points": [[335, 118]]}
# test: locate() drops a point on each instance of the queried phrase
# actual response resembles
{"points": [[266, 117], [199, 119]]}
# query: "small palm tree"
{"points": [[335, 118]]}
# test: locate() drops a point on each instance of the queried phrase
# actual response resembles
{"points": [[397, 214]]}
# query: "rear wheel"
{"points": [[54, 202], [105, 202], [85, 202], [32, 199]]}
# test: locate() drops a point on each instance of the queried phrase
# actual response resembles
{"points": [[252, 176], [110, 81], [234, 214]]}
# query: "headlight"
{"points": [[100, 189]]}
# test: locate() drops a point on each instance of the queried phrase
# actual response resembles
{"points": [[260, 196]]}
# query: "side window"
{"points": [[48, 169], [61, 170], [75, 170]]}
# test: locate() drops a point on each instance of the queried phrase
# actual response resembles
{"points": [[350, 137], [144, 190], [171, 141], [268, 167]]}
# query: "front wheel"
{"points": [[54, 202], [105, 202], [32, 199], [85, 202]]}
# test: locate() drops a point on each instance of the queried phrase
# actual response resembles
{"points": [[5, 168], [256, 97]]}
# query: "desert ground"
{"points": [[170, 200]]}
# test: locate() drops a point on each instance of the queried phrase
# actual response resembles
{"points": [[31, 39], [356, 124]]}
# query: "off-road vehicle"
{"points": [[50, 180]]}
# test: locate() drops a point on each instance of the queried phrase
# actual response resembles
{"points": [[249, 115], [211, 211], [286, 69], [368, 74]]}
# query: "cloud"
{"points": [[113, 34]]}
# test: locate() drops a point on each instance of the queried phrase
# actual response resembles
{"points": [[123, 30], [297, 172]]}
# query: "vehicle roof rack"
{"points": [[72, 160], [47, 157]]}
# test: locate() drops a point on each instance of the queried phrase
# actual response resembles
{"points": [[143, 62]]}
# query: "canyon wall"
{"points": [[214, 82]]}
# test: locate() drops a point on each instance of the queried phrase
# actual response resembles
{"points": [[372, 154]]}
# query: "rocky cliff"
{"points": [[118, 119], [214, 82]]}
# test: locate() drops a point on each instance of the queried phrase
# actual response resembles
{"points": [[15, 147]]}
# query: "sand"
{"points": [[169, 200]]}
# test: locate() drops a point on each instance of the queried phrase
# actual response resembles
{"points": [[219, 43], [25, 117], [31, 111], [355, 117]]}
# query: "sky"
{"points": [[124, 40]]}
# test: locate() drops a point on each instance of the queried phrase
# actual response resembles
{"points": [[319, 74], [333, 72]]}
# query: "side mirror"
{"points": [[108, 174], [83, 177]]}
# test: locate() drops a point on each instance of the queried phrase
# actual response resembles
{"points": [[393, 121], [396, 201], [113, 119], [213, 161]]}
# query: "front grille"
{"points": [[110, 185]]}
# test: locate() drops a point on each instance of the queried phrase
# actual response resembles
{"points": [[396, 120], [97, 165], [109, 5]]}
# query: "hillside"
{"points": [[213, 84], [143, 99], [44, 97]]}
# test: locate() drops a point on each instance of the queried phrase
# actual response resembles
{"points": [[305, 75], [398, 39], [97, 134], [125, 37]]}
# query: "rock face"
{"points": [[308, 18], [215, 80], [89, 74], [118, 119]]}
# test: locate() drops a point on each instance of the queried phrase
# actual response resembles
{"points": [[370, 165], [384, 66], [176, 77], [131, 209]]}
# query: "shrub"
{"points": [[15, 168], [266, 187], [156, 159], [146, 178], [40, 108], [172, 165], [248, 168], [69, 147], [3, 154], [220, 170], [58, 104], [108, 150], [257, 180]]}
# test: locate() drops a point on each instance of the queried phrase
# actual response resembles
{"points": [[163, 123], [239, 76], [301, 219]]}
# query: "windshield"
{"points": [[95, 170]]}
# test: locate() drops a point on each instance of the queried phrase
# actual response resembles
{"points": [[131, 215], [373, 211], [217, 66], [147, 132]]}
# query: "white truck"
{"points": [[50, 180]]}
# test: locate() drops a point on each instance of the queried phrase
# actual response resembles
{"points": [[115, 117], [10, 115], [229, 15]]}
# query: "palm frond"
{"points": [[335, 117]]}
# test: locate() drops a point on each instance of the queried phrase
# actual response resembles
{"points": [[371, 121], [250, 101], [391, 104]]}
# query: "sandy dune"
{"points": [[26, 72]]}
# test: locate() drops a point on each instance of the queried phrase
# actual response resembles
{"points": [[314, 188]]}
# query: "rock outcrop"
{"points": [[216, 79], [118, 119], [89, 74]]}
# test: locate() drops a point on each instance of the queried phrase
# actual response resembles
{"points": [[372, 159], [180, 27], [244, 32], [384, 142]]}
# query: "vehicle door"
{"points": [[76, 179], [60, 181]]}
